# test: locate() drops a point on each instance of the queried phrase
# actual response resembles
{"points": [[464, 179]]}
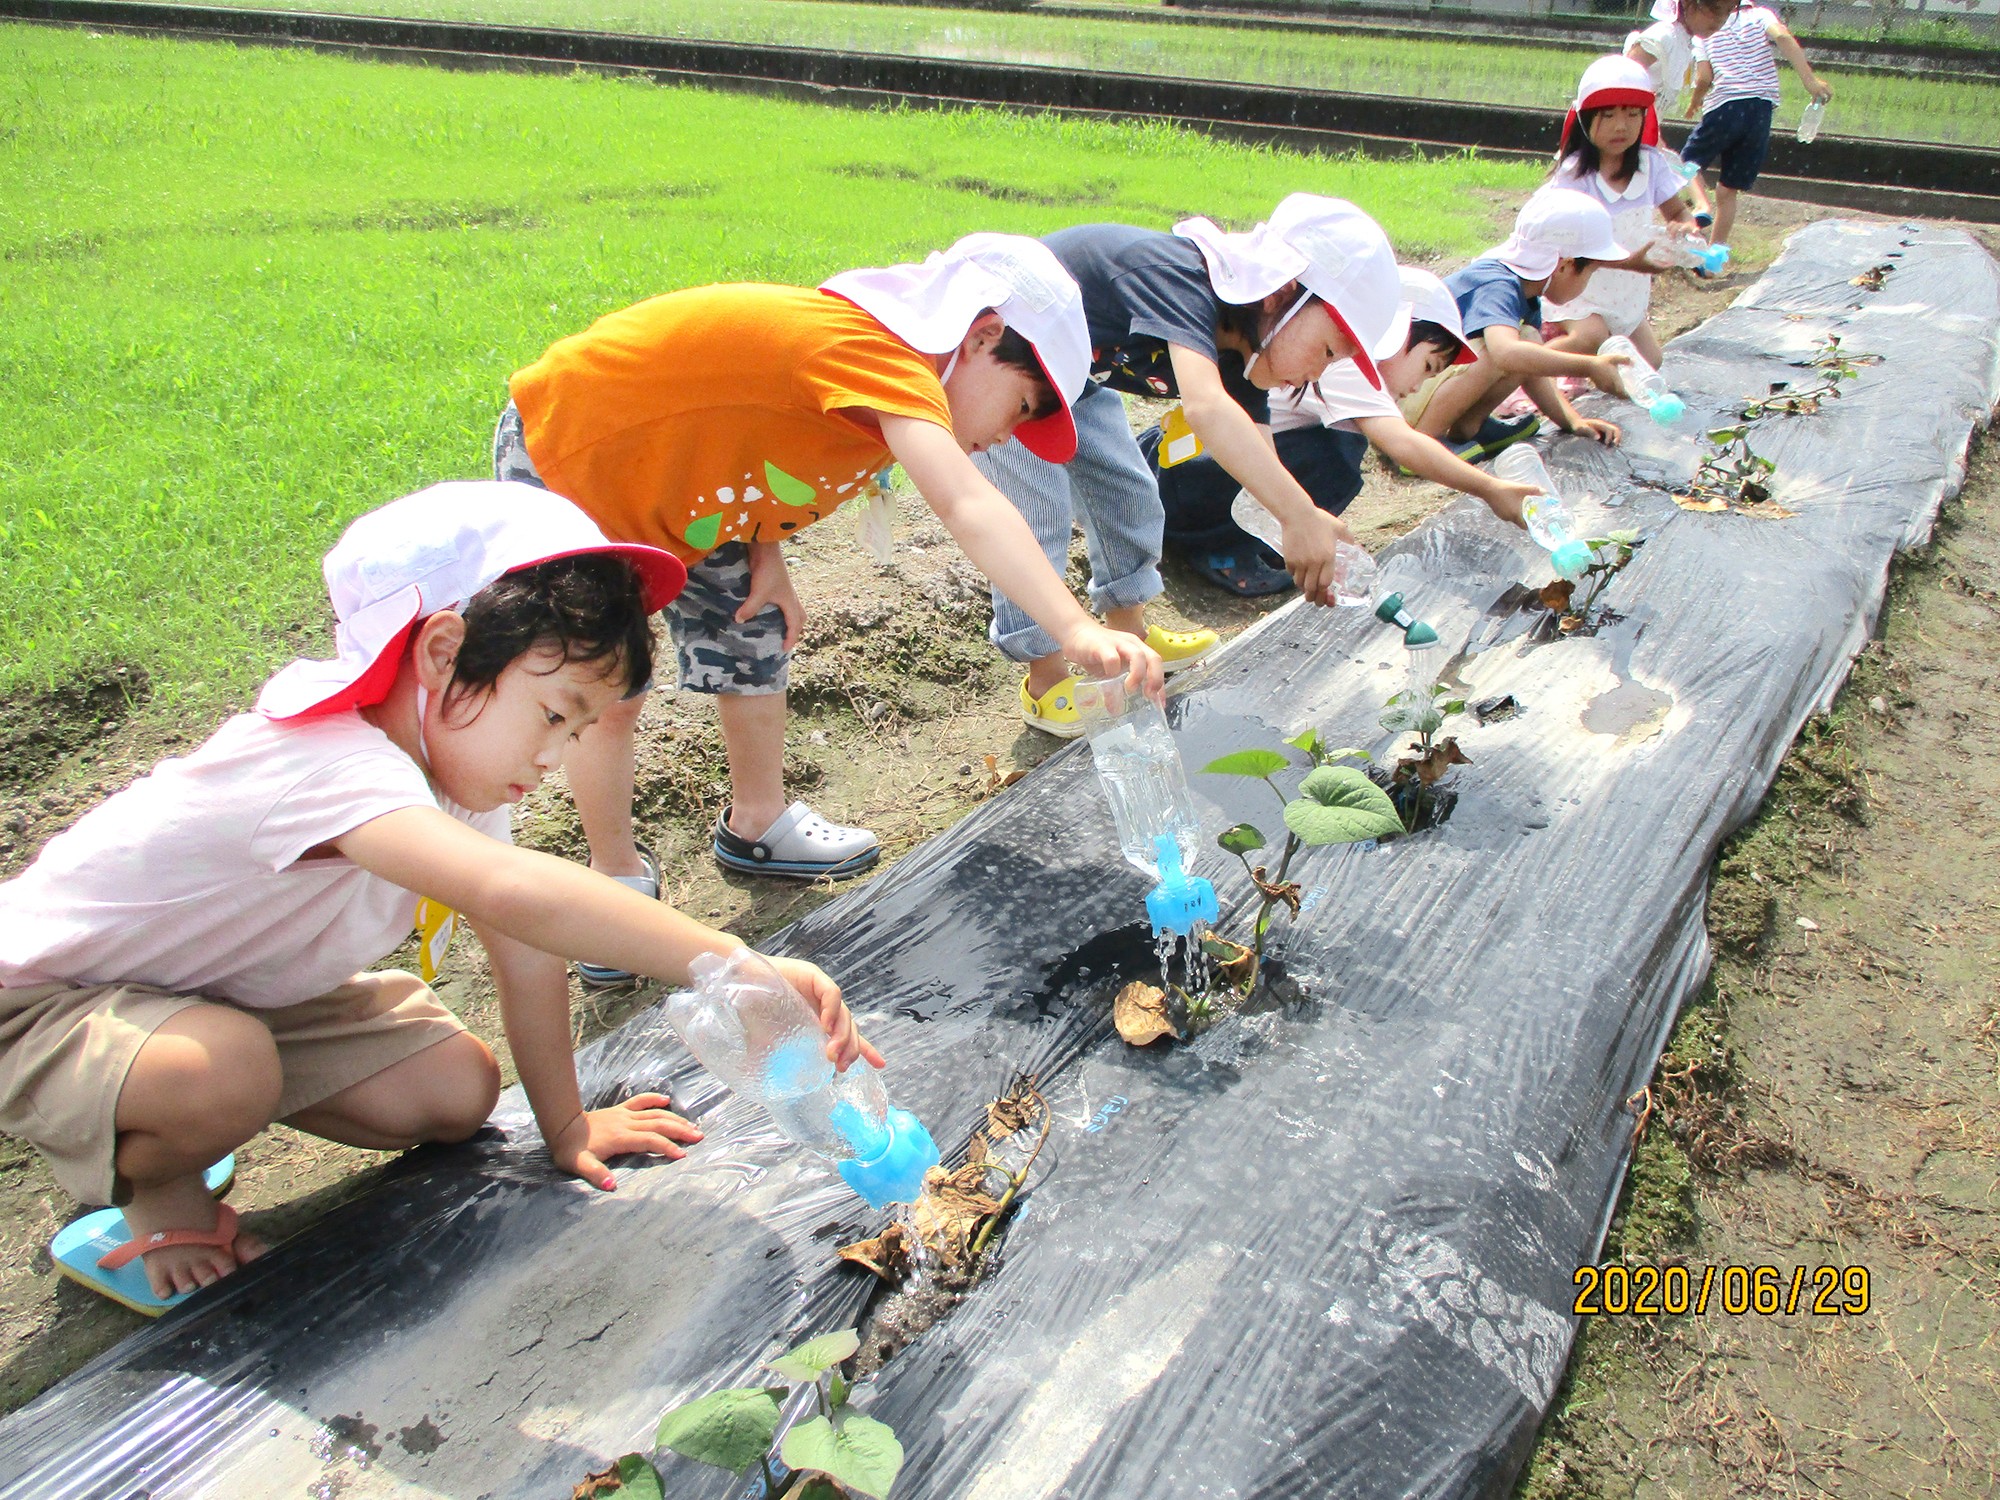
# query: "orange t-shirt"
{"points": [[711, 415]]}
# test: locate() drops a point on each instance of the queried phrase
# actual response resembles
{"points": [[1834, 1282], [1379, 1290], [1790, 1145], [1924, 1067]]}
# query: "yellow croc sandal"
{"points": [[1181, 648], [1055, 711]]}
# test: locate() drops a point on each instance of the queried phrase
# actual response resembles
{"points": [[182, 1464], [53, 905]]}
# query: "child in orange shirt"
{"points": [[716, 422]]}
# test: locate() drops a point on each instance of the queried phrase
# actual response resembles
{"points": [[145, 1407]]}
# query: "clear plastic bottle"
{"points": [[1141, 772], [754, 1032], [1809, 122], [1644, 385], [1548, 519], [1354, 575], [1680, 250]]}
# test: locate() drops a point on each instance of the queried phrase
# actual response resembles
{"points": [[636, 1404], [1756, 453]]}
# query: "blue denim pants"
{"points": [[1109, 487]]}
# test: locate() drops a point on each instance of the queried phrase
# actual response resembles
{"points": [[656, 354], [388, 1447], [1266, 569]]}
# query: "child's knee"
{"points": [[461, 1086], [209, 1074]]}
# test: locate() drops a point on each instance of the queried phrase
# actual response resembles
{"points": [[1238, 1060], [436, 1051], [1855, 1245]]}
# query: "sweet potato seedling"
{"points": [[1335, 804], [832, 1454], [1414, 777]]}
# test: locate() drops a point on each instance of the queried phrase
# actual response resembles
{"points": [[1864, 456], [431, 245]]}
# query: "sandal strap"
{"points": [[221, 1237]]}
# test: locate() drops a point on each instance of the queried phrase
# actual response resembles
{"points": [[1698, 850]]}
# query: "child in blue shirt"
{"points": [[1560, 237]]}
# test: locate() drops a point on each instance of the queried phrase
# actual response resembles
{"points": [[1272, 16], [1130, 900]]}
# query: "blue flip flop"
{"points": [[82, 1249]]}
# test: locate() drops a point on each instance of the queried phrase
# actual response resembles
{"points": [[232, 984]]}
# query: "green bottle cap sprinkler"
{"points": [[1416, 634]]}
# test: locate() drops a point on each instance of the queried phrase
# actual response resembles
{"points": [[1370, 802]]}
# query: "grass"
{"points": [[248, 294], [1534, 75]]}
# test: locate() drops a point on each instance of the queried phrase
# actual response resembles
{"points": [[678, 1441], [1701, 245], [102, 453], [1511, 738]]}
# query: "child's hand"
{"points": [[1505, 498], [844, 1042], [1104, 652], [771, 583], [1309, 546], [641, 1126], [1604, 373], [1820, 89], [1598, 430]]}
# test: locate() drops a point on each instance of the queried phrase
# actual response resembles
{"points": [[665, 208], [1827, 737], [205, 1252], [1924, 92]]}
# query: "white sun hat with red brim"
{"points": [[932, 306], [1426, 299], [1557, 224], [433, 551], [1612, 80], [1329, 247]]}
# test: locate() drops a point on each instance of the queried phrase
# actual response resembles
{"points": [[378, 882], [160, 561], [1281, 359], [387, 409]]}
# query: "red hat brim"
{"points": [[1051, 438]]}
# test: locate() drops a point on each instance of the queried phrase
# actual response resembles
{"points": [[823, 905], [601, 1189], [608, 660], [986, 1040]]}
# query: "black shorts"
{"points": [[1737, 135]]}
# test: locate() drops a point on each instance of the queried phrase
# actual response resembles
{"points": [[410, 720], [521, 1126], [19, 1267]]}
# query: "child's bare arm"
{"points": [[1247, 454], [991, 532], [559, 908], [1704, 80], [534, 1009], [1787, 46], [1529, 359], [1427, 458]]}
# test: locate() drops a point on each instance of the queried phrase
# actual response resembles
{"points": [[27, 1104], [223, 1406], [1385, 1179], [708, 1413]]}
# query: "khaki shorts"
{"points": [[65, 1050]]}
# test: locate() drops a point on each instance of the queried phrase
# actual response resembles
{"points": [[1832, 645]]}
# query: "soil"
{"points": [[897, 705]]}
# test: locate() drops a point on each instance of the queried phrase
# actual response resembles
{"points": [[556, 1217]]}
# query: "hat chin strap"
{"points": [[1251, 363], [950, 365], [423, 749]]}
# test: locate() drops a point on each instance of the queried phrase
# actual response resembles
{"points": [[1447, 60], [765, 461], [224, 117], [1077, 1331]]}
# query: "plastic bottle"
{"points": [[1644, 385], [1141, 773], [1547, 518], [1675, 250], [754, 1032], [1354, 573], [1809, 121]]}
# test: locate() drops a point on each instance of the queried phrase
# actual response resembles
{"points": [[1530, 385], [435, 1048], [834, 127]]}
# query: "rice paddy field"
{"points": [[1880, 106], [248, 294]]}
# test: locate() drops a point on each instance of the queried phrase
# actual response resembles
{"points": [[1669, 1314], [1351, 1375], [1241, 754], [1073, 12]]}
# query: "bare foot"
{"points": [[184, 1203]]}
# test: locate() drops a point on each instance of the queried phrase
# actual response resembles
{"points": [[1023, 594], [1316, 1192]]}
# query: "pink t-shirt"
{"points": [[190, 878]]}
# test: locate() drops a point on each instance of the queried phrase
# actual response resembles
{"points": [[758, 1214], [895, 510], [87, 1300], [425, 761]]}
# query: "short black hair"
{"points": [[590, 607], [1436, 335], [1579, 154], [1017, 353]]}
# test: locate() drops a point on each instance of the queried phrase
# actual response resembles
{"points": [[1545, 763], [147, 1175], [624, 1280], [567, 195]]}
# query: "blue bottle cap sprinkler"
{"points": [[1713, 258], [1416, 634], [896, 1173], [1570, 559], [1669, 409], [1180, 900]]}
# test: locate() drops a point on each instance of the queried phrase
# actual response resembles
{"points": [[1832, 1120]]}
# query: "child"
{"points": [[717, 421], [1610, 150], [1559, 237], [1323, 432], [1736, 90], [1219, 320], [1666, 51], [186, 965]]}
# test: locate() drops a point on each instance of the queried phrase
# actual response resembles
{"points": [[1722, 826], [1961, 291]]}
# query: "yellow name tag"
{"points": [[435, 925], [1178, 443]]}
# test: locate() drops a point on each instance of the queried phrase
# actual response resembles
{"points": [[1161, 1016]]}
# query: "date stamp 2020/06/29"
{"points": [[1644, 1290]]}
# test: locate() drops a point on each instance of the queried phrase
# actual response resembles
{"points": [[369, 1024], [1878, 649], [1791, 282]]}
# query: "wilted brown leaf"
{"points": [[1442, 757], [1570, 624], [1014, 1110], [603, 1482], [1871, 279], [978, 1150], [1234, 961], [887, 1255], [950, 1210], [1766, 510], [1556, 595], [996, 779], [1140, 1014], [1701, 502]]}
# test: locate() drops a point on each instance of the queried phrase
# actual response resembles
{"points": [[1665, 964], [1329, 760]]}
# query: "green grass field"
{"points": [[249, 294], [1544, 76]]}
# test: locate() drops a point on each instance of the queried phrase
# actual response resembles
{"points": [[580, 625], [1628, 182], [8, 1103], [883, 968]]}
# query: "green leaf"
{"points": [[730, 1429], [638, 1479], [1244, 838], [837, 1392], [819, 1489], [1624, 538], [815, 1357], [1454, 706], [1339, 805], [1309, 741], [1253, 763], [1345, 752], [856, 1451]]}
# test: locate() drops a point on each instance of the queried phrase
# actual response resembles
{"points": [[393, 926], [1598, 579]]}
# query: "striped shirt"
{"points": [[1740, 52]]}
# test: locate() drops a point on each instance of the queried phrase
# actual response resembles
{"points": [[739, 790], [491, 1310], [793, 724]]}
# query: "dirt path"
{"points": [[898, 703], [1834, 1100]]}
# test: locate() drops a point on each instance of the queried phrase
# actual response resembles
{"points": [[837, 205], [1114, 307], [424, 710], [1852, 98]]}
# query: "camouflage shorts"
{"points": [[717, 655]]}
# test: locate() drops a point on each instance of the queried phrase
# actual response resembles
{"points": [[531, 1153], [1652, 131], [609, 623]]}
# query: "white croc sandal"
{"points": [[801, 845]]}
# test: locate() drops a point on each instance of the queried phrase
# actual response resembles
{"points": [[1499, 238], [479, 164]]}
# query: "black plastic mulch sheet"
{"points": [[1325, 1250]]}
